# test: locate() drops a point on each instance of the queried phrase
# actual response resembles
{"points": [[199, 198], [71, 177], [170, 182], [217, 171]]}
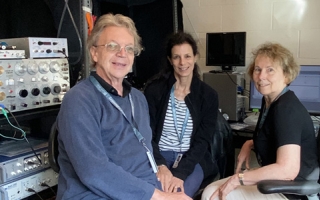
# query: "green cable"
{"points": [[4, 112]]}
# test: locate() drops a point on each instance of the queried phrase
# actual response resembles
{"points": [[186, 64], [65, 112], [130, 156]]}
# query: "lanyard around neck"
{"points": [[114, 103], [266, 110], [173, 108]]}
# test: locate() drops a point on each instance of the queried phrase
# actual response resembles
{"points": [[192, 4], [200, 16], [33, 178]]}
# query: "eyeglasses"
{"points": [[114, 47]]}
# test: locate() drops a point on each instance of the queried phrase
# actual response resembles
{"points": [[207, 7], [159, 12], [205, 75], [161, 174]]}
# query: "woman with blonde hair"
{"points": [[284, 138]]}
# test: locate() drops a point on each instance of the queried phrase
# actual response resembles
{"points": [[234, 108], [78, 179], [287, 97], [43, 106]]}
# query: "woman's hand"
{"points": [[244, 155], [175, 184], [165, 177], [222, 192]]}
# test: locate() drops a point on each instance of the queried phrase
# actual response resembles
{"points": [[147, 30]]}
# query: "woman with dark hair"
{"points": [[183, 113]]}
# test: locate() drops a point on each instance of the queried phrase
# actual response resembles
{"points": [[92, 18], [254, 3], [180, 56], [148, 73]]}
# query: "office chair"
{"points": [[222, 151], [53, 148], [305, 189]]}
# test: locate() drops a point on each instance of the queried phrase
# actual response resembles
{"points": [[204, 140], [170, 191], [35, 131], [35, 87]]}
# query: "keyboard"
{"points": [[242, 126], [315, 118]]}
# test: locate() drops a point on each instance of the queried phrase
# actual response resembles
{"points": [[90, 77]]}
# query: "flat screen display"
{"points": [[226, 49], [306, 87]]}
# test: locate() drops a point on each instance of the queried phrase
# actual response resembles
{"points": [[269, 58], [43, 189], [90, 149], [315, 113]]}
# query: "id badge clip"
{"points": [[176, 162], [152, 162]]}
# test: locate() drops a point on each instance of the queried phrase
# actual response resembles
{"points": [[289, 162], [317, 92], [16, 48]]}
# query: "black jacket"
{"points": [[202, 102]]}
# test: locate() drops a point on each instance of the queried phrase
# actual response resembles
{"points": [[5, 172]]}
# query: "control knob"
{"points": [[20, 69], [33, 68], [43, 67], [23, 93], [57, 89], [54, 67], [35, 91], [2, 96], [46, 90]]}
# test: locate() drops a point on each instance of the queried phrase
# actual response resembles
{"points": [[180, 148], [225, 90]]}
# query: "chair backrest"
{"points": [[53, 148], [222, 152], [222, 147]]}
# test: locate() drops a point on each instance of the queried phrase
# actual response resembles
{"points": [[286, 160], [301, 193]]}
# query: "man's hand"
{"points": [[159, 195]]}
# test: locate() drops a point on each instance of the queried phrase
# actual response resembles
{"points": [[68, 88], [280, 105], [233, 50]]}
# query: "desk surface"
{"points": [[240, 126], [241, 133]]}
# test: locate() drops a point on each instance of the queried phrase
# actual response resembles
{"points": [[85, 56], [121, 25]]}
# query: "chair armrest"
{"points": [[288, 187]]}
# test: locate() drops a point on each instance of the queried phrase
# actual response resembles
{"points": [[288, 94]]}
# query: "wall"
{"points": [[293, 23]]}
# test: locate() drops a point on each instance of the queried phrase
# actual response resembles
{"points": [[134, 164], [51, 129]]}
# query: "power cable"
{"points": [[18, 127], [66, 7]]}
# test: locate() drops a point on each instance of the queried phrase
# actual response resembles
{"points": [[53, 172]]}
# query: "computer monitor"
{"points": [[306, 87], [227, 49]]}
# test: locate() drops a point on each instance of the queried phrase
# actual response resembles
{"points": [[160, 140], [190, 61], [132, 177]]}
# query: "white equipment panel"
{"points": [[33, 83], [27, 186], [40, 47]]}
